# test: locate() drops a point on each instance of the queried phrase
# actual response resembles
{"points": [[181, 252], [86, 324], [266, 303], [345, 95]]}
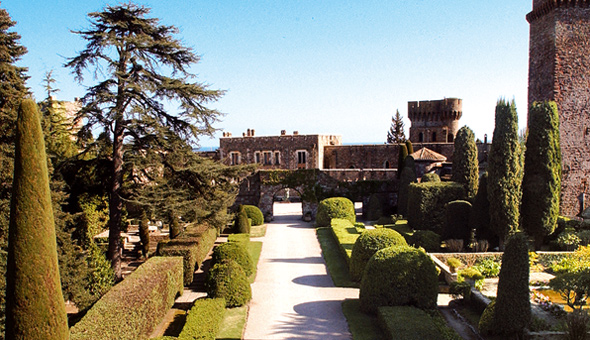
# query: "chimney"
{"points": [[243, 134], [252, 132], [283, 132], [295, 133], [248, 133]]}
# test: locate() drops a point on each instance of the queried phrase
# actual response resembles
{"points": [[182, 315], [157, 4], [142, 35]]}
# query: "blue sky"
{"points": [[331, 67]]}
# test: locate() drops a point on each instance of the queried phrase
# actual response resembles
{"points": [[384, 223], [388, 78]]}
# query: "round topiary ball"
{"points": [[254, 214], [335, 207], [228, 280], [234, 251], [367, 245], [397, 276]]}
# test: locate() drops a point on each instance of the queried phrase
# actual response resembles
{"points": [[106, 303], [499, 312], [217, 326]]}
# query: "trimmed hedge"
{"points": [[374, 208], [335, 207], [411, 323], [430, 177], [427, 204], [367, 244], [134, 307], [234, 251], [345, 234], [457, 226], [203, 320], [397, 276], [193, 245], [254, 214], [228, 280], [429, 240]]}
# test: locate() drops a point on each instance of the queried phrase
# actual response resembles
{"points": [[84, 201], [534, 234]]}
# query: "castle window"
{"points": [[301, 159], [257, 157], [450, 138], [277, 158], [386, 165], [267, 157], [235, 158], [434, 136], [420, 137]]}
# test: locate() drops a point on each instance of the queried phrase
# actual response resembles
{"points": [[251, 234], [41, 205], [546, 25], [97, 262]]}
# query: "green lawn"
{"points": [[362, 326], [337, 265]]}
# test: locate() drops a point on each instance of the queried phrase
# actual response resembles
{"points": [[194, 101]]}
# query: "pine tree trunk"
{"points": [[115, 202]]}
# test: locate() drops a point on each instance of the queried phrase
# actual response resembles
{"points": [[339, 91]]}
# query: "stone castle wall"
{"points": [[434, 121], [559, 69]]}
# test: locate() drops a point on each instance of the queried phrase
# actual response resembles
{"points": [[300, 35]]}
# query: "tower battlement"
{"points": [[434, 121]]}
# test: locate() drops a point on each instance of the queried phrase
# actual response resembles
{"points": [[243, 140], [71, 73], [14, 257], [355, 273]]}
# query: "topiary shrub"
{"points": [[399, 275], [254, 214], [241, 222], [335, 207], [486, 321], [429, 240], [407, 177], [513, 305], [234, 251], [144, 234], [374, 208], [457, 226], [367, 245], [427, 202], [227, 280], [203, 320], [174, 226], [430, 177]]}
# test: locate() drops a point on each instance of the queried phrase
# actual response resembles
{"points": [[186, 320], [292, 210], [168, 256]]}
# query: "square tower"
{"points": [[559, 70]]}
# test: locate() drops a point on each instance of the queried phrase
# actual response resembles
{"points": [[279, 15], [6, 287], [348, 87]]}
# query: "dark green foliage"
{"points": [[241, 222], [457, 227], [401, 157], [513, 305], [504, 171], [480, 212], [462, 289], [141, 71], [488, 267], [407, 177], [234, 251], [430, 177], [407, 323], [133, 308], [375, 208], [335, 207], [541, 184], [429, 240], [396, 132], [397, 276], [367, 245], [465, 164], [35, 306], [203, 320], [144, 234], [227, 280], [577, 325], [254, 214], [486, 322], [193, 246], [173, 225], [428, 202], [410, 147]]}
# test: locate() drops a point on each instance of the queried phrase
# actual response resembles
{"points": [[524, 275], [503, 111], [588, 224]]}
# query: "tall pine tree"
{"points": [[504, 172], [465, 164], [541, 184], [396, 132], [144, 67]]}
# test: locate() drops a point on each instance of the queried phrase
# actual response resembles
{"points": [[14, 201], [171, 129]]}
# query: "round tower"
{"points": [[434, 121]]}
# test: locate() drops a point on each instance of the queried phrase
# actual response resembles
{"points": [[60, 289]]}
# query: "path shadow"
{"points": [[305, 260], [317, 320], [323, 281]]}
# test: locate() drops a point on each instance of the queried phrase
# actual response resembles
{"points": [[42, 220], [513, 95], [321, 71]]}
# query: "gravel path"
{"points": [[293, 296]]}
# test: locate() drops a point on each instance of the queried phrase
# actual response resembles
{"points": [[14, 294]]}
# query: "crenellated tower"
{"points": [[435, 121], [559, 70]]}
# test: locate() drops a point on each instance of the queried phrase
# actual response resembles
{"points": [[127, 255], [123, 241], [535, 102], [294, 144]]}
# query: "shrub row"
{"points": [[411, 323], [193, 245], [345, 234], [203, 320], [427, 202], [135, 306]]}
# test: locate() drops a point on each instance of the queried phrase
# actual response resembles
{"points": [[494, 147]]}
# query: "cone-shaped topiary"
{"points": [[408, 176], [465, 163], [480, 213], [174, 226], [410, 147], [457, 227], [397, 276], [227, 280], [401, 157], [335, 207], [254, 214], [144, 234], [375, 208], [367, 245], [513, 305], [241, 222], [35, 306], [234, 251]]}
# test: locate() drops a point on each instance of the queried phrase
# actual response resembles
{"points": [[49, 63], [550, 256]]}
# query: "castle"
{"points": [[559, 70]]}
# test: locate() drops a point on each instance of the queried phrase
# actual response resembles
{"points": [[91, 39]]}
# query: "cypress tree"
{"points": [[408, 176], [410, 147], [403, 153], [541, 184], [504, 171], [513, 306], [35, 306], [465, 164], [480, 213]]}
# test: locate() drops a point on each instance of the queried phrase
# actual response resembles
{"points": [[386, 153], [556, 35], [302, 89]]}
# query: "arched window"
{"points": [[420, 137], [434, 136], [386, 165]]}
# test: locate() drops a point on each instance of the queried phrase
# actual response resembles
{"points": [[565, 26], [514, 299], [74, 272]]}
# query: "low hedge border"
{"points": [[345, 234], [135, 306], [411, 323], [192, 245], [203, 320]]}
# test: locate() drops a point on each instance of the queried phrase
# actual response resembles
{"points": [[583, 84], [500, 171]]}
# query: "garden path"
{"points": [[293, 296]]}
